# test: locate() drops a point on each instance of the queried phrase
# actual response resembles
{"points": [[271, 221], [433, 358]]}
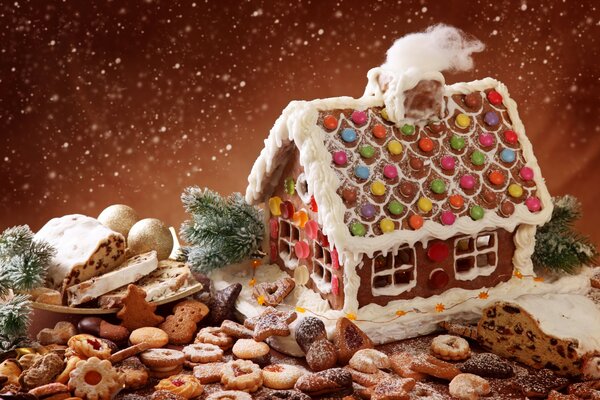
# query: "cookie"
{"points": [[393, 389], [163, 362], [129, 352], [65, 375], [192, 310], [348, 339], [333, 380], [554, 395], [242, 375], [369, 361], [42, 372], [273, 293], [487, 365], [229, 395], [165, 395], [450, 348], [235, 330], [429, 365], [222, 304], [248, 349], [155, 337], [214, 335], [27, 360], [285, 395], [401, 364], [60, 334], [458, 329], [468, 387], [270, 323], [51, 391], [366, 379], [186, 386], [11, 369], [209, 373], [179, 329], [281, 376], [538, 383], [99, 327], [591, 368], [321, 355], [89, 346], [203, 353], [133, 373], [136, 311], [308, 331], [95, 379]]}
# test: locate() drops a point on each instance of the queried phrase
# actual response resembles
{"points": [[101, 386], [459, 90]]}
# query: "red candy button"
{"points": [[330, 122], [378, 131], [439, 279], [312, 229], [426, 144], [301, 249], [496, 178], [510, 137], [287, 209], [335, 285], [335, 261], [313, 204], [438, 251], [494, 97], [274, 228]]}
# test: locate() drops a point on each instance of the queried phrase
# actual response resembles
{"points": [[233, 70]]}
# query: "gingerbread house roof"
{"points": [[380, 185]]}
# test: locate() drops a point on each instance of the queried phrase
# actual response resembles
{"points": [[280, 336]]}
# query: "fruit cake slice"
{"points": [[555, 331]]}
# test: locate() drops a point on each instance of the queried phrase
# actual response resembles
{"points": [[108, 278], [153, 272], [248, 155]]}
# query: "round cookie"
{"points": [[95, 379], [203, 353], [155, 337], [281, 376], [163, 362], [229, 395], [242, 375], [89, 346], [450, 348], [186, 386], [248, 349]]}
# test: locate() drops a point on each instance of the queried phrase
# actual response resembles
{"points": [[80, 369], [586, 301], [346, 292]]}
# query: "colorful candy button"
{"points": [[457, 142], [348, 135], [274, 205], [359, 117], [533, 204], [486, 140], [300, 218], [335, 285], [496, 178], [301, 249], [477, 158], [395, 207], [438, 251], [424, 204], [491, 118], [367, 151], [407, 129], [407, 189], [361, 172], [526, 173], [335, 260], [290, 186], [476, 213], [378, 188], [462, 120], [274, 228], [510, 137], [358, 229], [415, 221], [287, 209], [467, 181], [330, 122], [378, 131], [448, 163], [340, 158], [438, 186], [415, 163], [456, 201], [426, 144], [390, 171], [438, 279], [494, 97], [448, 218], [313, 204], [515, 190], [508, 155], [367, 211], [394, 147], [349, 195], [312, 229], [387, 225], [384, 114]]}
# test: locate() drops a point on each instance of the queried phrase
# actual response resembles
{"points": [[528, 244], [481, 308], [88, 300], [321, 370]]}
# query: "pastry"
{"points": [[427, 364], [248, 349], [137, 312], [51, 391], [89, 346], [98, 327], [209, 373], [60, 334], [241, 375], [46, 295], [134, 374], [270, 323], [129, 352], [273, 293], [155, 337], [330, 381], [43, 371], [222, 304], [309, 330], [65, 375], [95, 379], [401, 364], [321, 355], [366, 379], [369, 361], [85, 249], [469, 387], [11, 369], [179, 328], [281, 376], [450, 348], [129, 272], [165, 395], [186, 386], [393, 389], [348, 339], [203, 353], [163, 362], [487, 365], [285, 395]]}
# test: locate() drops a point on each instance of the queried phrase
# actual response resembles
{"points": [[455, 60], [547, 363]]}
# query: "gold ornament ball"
{"points": [[118, 217], [150, 234]]}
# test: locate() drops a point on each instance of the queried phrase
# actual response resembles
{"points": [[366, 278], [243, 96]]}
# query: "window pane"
{"points": [[464, 264], [380, 263], [318, 270], [382, 281], [403, 276], [404, 257], [295, 233], [485, 241], [318, 251], [464, 246], [284, 229]]}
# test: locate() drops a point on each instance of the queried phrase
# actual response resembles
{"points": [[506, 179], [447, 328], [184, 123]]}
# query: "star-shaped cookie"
{"points": [[270, 323]]}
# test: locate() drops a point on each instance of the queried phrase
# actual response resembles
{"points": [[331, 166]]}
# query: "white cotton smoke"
{"points": [[439, 48]]}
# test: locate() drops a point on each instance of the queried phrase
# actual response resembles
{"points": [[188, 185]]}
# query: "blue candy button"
{"points": [[507, 155], [348, 135], [361, 172]]}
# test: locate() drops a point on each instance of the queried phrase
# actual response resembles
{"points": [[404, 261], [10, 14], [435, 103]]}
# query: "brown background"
{"points": [[130, 102]]}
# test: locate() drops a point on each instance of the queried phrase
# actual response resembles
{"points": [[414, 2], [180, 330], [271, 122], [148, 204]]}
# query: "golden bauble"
{"points": [[118, 217], [150, 234]]}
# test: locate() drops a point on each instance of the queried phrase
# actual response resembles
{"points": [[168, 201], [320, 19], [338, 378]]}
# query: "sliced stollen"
{"points": [[84, 249], [168, 278], [130, 271]]}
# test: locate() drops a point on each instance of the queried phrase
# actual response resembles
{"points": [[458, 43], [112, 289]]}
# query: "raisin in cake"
{"points": [[84, 249], [560, 332]]}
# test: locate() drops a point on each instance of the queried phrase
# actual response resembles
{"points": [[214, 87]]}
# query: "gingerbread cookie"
{"points": [[203, 353], [369, 361], [281, 376], [179, 329], [235, 330], [348, 339], [42, 372], [222, 304], [129, 352], [308, 331], [163, 362], [333, 380], [86, 346], [242, 375], [95, 379], [134, 374], [273, 293], [229, 395], [209, 373], [136, 311], [450, 348], [487, 365], [469, 387], [249, 349], [60, 334], [186, 386], [270, 323], [192, 310], [214, 335]]}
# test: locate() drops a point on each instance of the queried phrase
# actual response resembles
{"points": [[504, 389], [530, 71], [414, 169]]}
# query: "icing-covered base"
{"points": [[379, 322]]}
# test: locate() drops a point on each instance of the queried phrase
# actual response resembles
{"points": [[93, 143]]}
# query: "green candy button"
{"points": [[407, 129], [367, 151], [358, 229], [477, 158], [476, 213], [395, 207], [438, 186], [290, 186], [457, 142]]}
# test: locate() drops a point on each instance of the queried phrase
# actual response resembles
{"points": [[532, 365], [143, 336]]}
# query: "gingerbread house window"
{"points": [[288, 235], [393, 274], [322, 268], [475, 256]]}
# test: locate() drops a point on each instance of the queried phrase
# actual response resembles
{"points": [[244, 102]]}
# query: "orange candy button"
{"points": [[415, 221], [496, 178], [456, 201], [330, 122], [379, 131], [300, 218], [426, 144]]}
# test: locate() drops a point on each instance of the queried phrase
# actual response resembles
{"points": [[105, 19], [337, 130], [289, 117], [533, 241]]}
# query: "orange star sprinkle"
{"points": [[400, 313], [260, 300], [518, 274], [439, 307], [252, 282], [538, 279], [300, 310], [483, 295], [351, 316]]}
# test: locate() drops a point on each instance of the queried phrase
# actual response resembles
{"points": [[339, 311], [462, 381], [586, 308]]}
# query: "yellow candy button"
{"points": [[463, 120], [515, 191], [384, 114], [378, 188], [274, 203], [425, 204], [394, 147], [387, 225]]}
